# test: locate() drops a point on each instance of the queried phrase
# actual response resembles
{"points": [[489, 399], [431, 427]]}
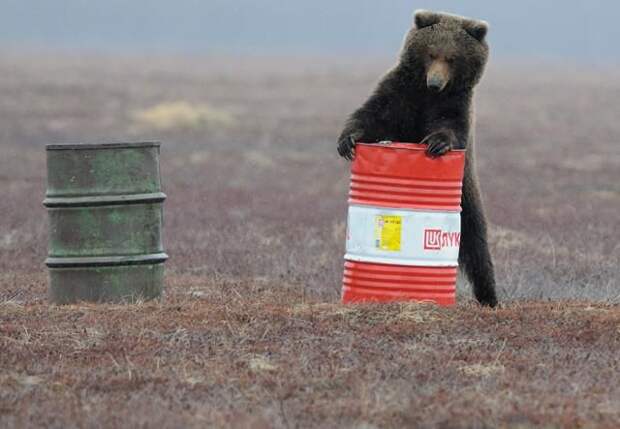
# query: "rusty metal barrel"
{"points": [[403, 227], [105, 209]]}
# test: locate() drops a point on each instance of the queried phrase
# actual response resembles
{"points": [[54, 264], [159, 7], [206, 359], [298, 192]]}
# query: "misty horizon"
{"points": [[575, 31]]}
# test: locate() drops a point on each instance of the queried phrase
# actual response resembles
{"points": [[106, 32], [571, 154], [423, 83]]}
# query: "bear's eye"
{"points": [[432, 56]]}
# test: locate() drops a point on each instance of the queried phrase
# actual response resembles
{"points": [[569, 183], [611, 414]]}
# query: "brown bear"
{"points": [[428, 97]]}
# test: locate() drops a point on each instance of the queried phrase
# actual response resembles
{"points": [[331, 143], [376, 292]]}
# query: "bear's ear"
{"points": [[476, 29], [425, 18]]}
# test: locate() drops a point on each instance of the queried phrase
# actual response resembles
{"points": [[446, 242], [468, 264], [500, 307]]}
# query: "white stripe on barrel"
{"points": [[404, 237]]}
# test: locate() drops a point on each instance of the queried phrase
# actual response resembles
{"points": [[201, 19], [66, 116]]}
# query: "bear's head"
{"points": [[445, 52]]}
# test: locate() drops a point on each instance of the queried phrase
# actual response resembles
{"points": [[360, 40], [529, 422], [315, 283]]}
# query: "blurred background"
{"points": [[248, 99], [578, 30]]}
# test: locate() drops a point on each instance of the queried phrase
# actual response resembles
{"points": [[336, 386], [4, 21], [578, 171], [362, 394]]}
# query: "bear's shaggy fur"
{"points": [[428, 97]]}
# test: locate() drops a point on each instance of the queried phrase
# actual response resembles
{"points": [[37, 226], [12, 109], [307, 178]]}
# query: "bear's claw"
{"points": [[346, 148], [438, 144]]}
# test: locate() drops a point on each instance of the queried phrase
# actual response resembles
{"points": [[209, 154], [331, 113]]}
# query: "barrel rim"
{"points": [[115, 145], [402, 145]]}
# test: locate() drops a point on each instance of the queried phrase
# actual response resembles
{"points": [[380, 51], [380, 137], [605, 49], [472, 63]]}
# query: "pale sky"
{"points": [[585, 30]]}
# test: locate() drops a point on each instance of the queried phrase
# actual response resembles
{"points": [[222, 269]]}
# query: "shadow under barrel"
{"points": [[105, 207]]}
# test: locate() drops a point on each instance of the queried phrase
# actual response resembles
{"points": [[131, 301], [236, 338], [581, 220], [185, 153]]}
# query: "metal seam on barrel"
{"points": [[106, 261], [391, 203], [393, 268], [401, 181], [104, 200]]}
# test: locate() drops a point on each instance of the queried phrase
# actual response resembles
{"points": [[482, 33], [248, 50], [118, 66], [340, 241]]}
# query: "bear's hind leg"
{"points": [[474, 255]]}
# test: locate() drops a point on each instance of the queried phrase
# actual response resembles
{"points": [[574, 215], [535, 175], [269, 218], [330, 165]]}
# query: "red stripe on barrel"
{"points": [[365, 281], [400, 175]]}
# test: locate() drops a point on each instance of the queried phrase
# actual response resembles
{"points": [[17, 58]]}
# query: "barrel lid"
{"points": [[402, 145], [87, 146]]}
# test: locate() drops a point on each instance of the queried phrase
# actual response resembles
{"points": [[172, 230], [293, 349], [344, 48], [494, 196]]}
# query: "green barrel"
{"points": [[105, 208]]}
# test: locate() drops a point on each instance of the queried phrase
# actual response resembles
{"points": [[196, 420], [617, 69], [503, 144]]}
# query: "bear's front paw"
{"points": [[438, 143], [346, 148]]}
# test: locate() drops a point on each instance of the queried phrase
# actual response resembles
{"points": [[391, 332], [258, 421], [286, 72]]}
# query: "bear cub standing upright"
{"points": [[428, 97]]}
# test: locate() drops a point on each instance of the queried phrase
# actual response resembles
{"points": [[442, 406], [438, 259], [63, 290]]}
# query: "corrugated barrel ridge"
{"points": [[405, 193], [399, 175], [365, 281]]}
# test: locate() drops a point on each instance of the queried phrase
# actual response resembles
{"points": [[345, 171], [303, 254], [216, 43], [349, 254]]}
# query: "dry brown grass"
{"points": [[241, 355], [251, 332]]}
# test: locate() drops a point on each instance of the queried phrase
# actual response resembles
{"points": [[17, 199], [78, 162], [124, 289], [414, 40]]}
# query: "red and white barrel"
{"points": [[404, 224]]}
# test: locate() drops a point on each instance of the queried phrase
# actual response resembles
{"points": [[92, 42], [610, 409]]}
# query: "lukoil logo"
{"points": [[436, 239]]}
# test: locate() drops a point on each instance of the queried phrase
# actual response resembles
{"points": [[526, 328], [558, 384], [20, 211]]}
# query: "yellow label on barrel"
{"points": [[388, 230]]}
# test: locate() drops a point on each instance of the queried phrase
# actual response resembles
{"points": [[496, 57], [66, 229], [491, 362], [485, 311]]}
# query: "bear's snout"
{"points": [[438, 75]]}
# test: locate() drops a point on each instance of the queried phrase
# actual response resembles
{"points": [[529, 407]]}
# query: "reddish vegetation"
{"points": [[251, 332], [250, 354]]}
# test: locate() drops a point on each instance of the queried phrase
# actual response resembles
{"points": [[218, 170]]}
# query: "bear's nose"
{"points": [[435, 83]]}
